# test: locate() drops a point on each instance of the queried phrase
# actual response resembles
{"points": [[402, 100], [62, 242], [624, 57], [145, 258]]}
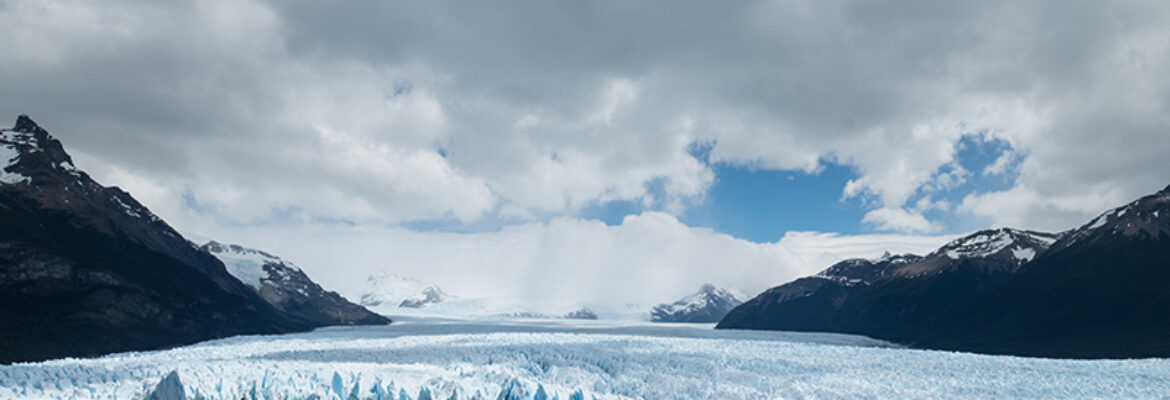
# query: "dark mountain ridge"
{"points": [[1093, 292], [86, 270]]}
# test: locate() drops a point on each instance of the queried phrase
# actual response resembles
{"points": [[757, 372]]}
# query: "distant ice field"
{"points": [[528, 359]]}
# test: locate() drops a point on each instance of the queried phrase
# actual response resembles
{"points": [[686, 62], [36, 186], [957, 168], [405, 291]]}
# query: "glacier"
{"points": [[444, 358]]}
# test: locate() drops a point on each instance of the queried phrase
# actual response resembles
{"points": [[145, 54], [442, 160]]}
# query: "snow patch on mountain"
{"points": [[859, 270], [1024, 254], [1141, 216], [978, 246], [246, 264], [839, 272], [1099, 221], [1024, 245]]}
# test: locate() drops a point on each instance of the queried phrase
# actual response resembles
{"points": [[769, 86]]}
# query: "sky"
{"points": [[599, 150]]}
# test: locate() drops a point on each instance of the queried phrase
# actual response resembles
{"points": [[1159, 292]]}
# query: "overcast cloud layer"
{"points": [[250, 116]]}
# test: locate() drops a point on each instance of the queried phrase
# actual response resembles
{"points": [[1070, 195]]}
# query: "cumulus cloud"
{"points": [[378, 113]]}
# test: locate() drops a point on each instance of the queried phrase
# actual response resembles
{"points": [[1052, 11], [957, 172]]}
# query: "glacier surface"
{"points": [[422, 358]]}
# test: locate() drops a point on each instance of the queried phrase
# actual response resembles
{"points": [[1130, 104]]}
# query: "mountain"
{"points": [[1098, 292], [581, 313], [386, 291], [807, 304], [1095, 292], [86, 270], [709, 304], [286, 287]]}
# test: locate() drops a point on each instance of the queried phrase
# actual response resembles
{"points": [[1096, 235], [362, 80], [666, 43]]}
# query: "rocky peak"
{"points": [[1148, 216], [26, 125], [31, 155]]}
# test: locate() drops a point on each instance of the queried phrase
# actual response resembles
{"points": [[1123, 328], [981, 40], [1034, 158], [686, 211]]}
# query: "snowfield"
{"points": [[424, 358]]}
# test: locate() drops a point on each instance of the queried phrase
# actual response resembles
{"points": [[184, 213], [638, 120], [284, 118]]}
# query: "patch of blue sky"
{"points": [[974, 154], [759, 205], [612, 212]]}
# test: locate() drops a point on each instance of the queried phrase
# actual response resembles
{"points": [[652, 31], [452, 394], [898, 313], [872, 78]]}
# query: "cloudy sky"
{"points": [[630, 150]]}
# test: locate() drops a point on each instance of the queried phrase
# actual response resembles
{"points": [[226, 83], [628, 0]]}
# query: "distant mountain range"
{"points": [[386, 291], [1098, 291], [86, 270], [709, 304]]}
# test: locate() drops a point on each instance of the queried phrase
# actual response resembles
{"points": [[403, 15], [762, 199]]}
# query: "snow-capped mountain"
{"points": [[1144, 218], [1003, 249], [283, 285], [885, 296], [87, 270], [1023, 245], [1099, 291], [1096, 291], [386, 291], [709, 304]]}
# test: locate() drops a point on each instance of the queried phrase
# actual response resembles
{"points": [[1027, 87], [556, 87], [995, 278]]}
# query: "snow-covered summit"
{"points": [[1022, 245], [990, 250], [385, 291], [709, 304]]}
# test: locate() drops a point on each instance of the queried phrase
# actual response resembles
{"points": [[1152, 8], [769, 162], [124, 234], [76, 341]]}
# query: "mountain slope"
{"points": [[918, 299], [87, 270], [1095, 292], [286, 287], [709, 304], [808, 304], [1101, 291]]}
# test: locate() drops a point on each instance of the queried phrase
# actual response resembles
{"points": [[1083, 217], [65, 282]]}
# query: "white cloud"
{"points": [[1002, 164], [899, 220], [254, 121], [648, 258], [386, 112]]}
